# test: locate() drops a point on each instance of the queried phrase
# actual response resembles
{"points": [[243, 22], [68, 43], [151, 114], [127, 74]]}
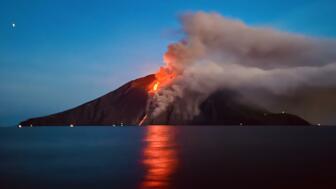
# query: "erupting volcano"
{"points": [[223, 72], [131, 105]]}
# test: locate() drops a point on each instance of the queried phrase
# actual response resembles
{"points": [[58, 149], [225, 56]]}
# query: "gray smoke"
{"points": [[274, 69]]}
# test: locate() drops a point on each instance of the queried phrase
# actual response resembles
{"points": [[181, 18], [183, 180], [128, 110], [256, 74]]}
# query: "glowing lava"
{"points": [[165, 75], [155, 87], [162, 78]]}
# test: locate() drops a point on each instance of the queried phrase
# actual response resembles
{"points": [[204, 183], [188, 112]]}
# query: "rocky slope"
{"points": [[127, 105]]}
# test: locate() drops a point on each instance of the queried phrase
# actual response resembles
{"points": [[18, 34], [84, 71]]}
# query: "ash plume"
{"points": [[276, 70]]}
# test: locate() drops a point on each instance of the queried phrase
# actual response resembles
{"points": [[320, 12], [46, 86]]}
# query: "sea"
{"points": [[97, 157]]}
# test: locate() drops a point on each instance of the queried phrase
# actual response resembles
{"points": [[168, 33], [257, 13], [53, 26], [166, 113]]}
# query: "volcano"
{"points": [[127, 106]]}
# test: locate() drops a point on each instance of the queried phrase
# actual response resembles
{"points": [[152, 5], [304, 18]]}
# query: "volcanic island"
{"points": [[128, 105]]}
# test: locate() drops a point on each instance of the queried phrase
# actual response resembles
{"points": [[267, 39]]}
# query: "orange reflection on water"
{"points": [[160, 156]]}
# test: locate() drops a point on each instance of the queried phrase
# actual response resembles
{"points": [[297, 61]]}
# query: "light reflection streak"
{"points": [[159, 157]]}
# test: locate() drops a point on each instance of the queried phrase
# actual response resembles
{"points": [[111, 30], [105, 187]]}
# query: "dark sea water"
{"points": [[167, 157]]}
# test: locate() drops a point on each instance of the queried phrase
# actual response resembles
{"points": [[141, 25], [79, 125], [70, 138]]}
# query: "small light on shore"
{"points": [[30, 125], [19, 126], [240, 124], [283, 112], [71, 125], [319, 124]]}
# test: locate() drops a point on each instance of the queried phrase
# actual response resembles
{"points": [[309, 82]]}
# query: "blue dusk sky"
{"points": [[62, 53]]}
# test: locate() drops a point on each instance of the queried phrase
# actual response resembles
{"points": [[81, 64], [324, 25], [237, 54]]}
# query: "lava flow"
{"points": [[154, 87], [162, 78]]}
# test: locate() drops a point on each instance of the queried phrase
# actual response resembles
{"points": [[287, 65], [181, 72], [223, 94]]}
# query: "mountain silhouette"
{"points": [[127, 106]]}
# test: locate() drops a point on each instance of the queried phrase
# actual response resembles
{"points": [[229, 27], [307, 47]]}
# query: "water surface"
{"points": [[167, 157]]}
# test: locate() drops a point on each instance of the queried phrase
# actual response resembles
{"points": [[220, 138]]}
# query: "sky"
{"points": [[62, 53]]}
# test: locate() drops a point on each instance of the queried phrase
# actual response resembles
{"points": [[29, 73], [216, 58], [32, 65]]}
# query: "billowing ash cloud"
{"points": [[277, 70]]}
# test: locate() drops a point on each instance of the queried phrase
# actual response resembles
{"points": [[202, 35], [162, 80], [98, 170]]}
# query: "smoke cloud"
{"points": [[277, 70]]}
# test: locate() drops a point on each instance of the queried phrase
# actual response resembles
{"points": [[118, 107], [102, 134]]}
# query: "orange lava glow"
{"points": [[160, 157], [155, 87], [163, 77]]}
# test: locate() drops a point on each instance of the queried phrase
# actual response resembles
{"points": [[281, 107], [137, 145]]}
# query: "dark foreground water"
{"points": [[167, 157]]}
